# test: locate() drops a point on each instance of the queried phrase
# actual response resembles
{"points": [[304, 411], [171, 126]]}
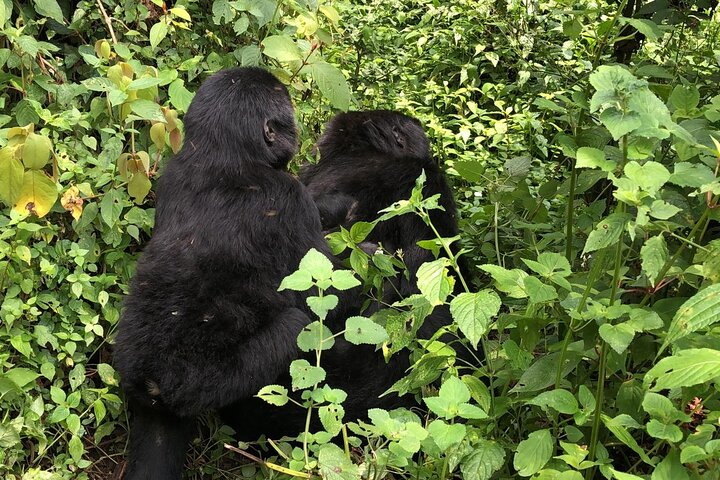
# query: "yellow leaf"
{"points": [[139, 186], [38, 194], [11, 176], [72, 202], [157, 135]]}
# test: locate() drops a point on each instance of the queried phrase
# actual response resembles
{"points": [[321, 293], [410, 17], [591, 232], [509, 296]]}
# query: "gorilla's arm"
{"points": [[335, 209]]}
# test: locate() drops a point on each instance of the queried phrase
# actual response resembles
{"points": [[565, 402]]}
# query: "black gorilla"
{"points": [[204, 325], [368, 161]]}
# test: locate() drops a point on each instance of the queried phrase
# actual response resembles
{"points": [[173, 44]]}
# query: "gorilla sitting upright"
{"points": [[204, 325]]}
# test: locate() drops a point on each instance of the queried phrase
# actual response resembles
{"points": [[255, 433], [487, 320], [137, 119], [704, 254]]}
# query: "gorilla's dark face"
{"points": [[244, 109], [387, 132]]}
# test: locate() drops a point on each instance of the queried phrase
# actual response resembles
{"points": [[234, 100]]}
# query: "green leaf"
{"points": [[6, 8], [11, 177], [646, 27], [314, 337], [305, 375], [21, 376], [282, 48], [616, 426], [335, 465], [274, 395], [654, 255], [108, 375], [671, 433], [537, 291], [38, 194], [685, 97], [511, 282], [559, 400], [49, 8], [487, 458], [299, 280], [147, 110], [572, 28], [620, 123], [444, 435], [687, 368], [139, 186], [332, 84], [588, 157], [473, 313], [180, 97], [322, 305], [76, 449], [533, 453], [9, 438], [691, 175], [36, 151], [607, 232], [649, 177], [663, 210], [331, 417], [670, 468], [110, 207], [359, 330], [434, 282], [618, 336], [317, 265], [698, 312], [158, 32], [344, 280]]}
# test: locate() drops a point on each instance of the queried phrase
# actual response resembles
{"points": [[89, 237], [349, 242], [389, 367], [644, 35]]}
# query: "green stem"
{"points": [[570, 213], [497, 236]]}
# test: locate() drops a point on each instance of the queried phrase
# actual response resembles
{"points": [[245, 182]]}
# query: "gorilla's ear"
{"points": [[399, 139], [268, 133]]}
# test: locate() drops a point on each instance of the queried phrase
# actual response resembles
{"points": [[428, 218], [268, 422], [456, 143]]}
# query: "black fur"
{"points": [[368, 161], [204, 325]]}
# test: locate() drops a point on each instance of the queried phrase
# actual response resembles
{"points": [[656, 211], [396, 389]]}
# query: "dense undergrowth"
{"points": [[582, 141]]}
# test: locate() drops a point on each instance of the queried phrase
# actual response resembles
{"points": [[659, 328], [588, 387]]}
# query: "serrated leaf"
{"points": [[37, 195], [511, 282], [473, 313], [487, 458], [332, 84], [282, 48], [446, 435], [537, 291], [317, 265], [274, 395], [698, 312], [322, 305], [691, 175], [331, 417], [533, 453], [654, 255], [618, 336], [335, 465], [685, 369], [607, 232], [359, 330], [315, 336], [305, 375], [649, 177], [344, 280], [433, 281]]}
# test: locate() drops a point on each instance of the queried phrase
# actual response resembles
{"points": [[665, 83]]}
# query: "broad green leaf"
{"points": [[541, 374], [299, 280], [692, 454], [473, 313], [642, 320], [654, 255], [607, 232], [11, 177], [691, 175], [315, 336], [511, 282], [487, 458], [646, 27], [572, 28], [588, 157], [330, 13], [180, 97], [671, 433], [446, 435], [670, 468], [108, 374], [619, 122], [662, 210], [684, 97], [147, 110], [685, 369], [76, 449], [36, 151], [111, 207], [9, 438], [434, 282], [332, 84], [317, 264], [322, 305], [282, 48], [6, 8], [21, 376], [537, 291], [649, 177], [335, 465], [158, 32], [698, 312], [49, 8], [624, 476], [533, 453], [359, 330], [37, 195], [559, 400], [305, 375], [344, 280]]}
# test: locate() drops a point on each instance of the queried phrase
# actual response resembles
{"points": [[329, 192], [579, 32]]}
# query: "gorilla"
{"points": [[370, 160], [204, 325]]}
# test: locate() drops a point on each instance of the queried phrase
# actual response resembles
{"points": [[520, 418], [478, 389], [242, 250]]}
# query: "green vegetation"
{"points": [[585, 165]]}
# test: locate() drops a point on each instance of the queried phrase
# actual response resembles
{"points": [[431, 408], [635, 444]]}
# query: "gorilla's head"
{"points": [[244, 115]]}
